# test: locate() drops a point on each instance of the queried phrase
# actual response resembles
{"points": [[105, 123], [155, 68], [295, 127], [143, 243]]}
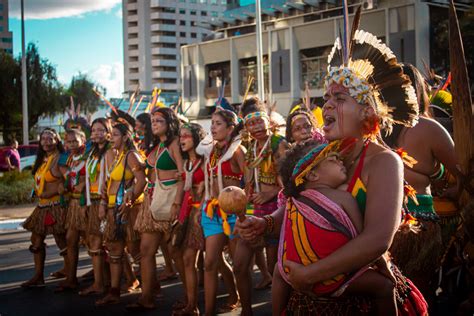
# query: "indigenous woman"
{"points": [[431, 147], [300, 126], [155, 218], [95, 185], [76, 221], [121, 203], [190, 135], [355, 108], [143, 134], [48, 217], [262, 188], [224, 165]]}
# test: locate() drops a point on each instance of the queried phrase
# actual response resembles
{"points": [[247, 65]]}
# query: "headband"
{"points": [[260, 114]]}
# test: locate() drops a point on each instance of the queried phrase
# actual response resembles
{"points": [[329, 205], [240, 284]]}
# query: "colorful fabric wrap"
{"points": [[424, 210], [310, 234], [214, 220], [260, 114]]}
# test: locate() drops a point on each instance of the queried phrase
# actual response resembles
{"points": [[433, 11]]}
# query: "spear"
{"points": [[105, 100], [247, 89], [138, 104]]}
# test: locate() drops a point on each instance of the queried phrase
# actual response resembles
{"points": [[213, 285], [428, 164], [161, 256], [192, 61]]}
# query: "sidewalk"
{"points": [[16, 211]]}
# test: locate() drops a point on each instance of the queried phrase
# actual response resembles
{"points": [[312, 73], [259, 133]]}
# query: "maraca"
{"points": [[232, 200]]}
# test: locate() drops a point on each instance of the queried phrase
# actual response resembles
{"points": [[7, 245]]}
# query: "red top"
{"points": [[226, 169]]}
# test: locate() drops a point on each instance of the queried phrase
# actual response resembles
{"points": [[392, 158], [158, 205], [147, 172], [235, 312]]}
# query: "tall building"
{"points": [[6, 42], [153, 33]]}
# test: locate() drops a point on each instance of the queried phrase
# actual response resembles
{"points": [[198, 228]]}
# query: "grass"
{"points": [[15, 188]]}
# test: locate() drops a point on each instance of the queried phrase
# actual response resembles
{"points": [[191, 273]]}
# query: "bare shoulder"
{"points": [[240, 151], [381, 157]]}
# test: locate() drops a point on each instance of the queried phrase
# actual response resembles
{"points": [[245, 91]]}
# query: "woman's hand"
{"points": [[262, 197], [298, 276], [251, 228], [174, 212]]}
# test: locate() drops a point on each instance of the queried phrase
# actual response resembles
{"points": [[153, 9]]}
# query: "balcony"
{"points": [[166, 86], [164, 74], [165, 51], [132, 6], [132, 30], [164, 62], [213, 92], [133, 52], [163, 39], [132, 18], [163, 27], [163, 15], [132, 41], [133, 64]]}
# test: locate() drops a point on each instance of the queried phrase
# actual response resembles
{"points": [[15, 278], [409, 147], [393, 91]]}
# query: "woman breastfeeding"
{"points": [[48, 218], [355, 107], [190, 135], [95, 184], [224, 166], [120, 204], [165, 197]]}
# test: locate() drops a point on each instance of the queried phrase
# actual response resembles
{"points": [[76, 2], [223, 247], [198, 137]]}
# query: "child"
{"points": [[319, 219]]}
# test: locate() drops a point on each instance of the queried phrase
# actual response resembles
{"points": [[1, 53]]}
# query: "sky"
{"points": [[76, 36]]}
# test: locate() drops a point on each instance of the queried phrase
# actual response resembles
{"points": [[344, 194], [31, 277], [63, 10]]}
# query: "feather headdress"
{"points": [[75, 119], [371, 73]]}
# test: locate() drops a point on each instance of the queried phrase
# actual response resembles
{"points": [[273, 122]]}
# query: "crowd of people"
{"points": [[340, 218]]}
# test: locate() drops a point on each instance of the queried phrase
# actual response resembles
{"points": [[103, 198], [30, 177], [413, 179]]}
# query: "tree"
{"points": [[80, 89], [10, 107]]}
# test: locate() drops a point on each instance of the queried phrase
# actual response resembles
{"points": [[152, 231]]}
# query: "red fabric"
{"points": [[322, 250], [226, 168], [185, 207], [198, 176], [49, 220], [358, 170]]}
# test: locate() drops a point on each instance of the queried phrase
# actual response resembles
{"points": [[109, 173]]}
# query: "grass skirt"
{"points": [[93, 225], [194, 237], [76, 216], [129, 234], [46, 220], [145, 222]]}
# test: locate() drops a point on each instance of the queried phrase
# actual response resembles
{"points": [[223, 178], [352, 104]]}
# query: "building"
{"points": [[153, 33], [6, 42], [297, 38]]}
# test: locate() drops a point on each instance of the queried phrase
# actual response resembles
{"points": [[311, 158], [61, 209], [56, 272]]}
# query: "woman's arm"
{"points": [[136, 166], [382, 217], [178, 200]]}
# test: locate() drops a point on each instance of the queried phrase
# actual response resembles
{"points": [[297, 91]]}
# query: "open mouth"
{"points": [[329, 122]]}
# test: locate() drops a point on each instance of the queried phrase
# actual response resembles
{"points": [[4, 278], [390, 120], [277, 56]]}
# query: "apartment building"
{"points": [[6, 41]]}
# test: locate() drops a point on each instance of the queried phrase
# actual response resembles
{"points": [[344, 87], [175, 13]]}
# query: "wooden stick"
{"points": [[136, 108], [105, 100], [247, 89]]}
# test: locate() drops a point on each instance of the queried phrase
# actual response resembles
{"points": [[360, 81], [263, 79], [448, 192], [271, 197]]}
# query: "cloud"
{"points": [[110, 77], [118, 13], [53, 9]]}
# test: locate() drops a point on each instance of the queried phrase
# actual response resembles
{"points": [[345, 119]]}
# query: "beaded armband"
{"points": [[270, 224]]}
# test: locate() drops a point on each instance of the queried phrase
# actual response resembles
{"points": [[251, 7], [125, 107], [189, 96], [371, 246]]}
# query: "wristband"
{"points": [[270, 224]]}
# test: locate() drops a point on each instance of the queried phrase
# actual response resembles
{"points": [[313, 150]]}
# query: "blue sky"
{"points": [[86, 38]]}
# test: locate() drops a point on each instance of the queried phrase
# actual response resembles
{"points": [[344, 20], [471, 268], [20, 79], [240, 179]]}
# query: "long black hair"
{"points": [[41, 153], [145, 119], [197, 133], [125, 129], [251, 105], [96, 150], [230, 119], [173, 123]]}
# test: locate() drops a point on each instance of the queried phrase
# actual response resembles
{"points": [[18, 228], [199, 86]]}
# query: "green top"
{"points": [[164, 160]]}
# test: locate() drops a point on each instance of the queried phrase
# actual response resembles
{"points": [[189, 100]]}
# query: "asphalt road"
{"points": [[16, 266]]}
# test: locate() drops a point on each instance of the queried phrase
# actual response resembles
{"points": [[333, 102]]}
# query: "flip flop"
{"points": [[138, 307], [32, 285], [57, 275]]}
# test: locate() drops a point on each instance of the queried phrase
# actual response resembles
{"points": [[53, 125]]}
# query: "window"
{"points": [[193, 23], [193, 35], [169, 10], [314, 66], [223, 1], [248, 68], [182, 11], [203, 13], [202, 1], [182, 34], [213, 1], [182, 22], [214, 14], [192, 1], [165, 56], [192, 12]]}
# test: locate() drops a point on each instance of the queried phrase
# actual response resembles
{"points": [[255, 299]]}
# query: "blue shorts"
{"points": [[213, 226]]}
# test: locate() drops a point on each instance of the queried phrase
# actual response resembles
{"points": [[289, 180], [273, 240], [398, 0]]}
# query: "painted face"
{"points": [[331, 171], [139, 128], [158, 124], [301, 128], [342, 115], [74, 142], [257, 127], [219, 129], [186, 140], [117, 139], [98, 133], [48, 142]]}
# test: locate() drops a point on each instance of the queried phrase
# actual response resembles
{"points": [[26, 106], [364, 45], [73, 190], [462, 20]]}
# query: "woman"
{"points": [[264, 151], [418, 254], [224, 165], [155, 218], [48, 217], [95, 184], [76, 222], [355, 108], [300, 126], [190, 135], [121, 203], [143, 133]]}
